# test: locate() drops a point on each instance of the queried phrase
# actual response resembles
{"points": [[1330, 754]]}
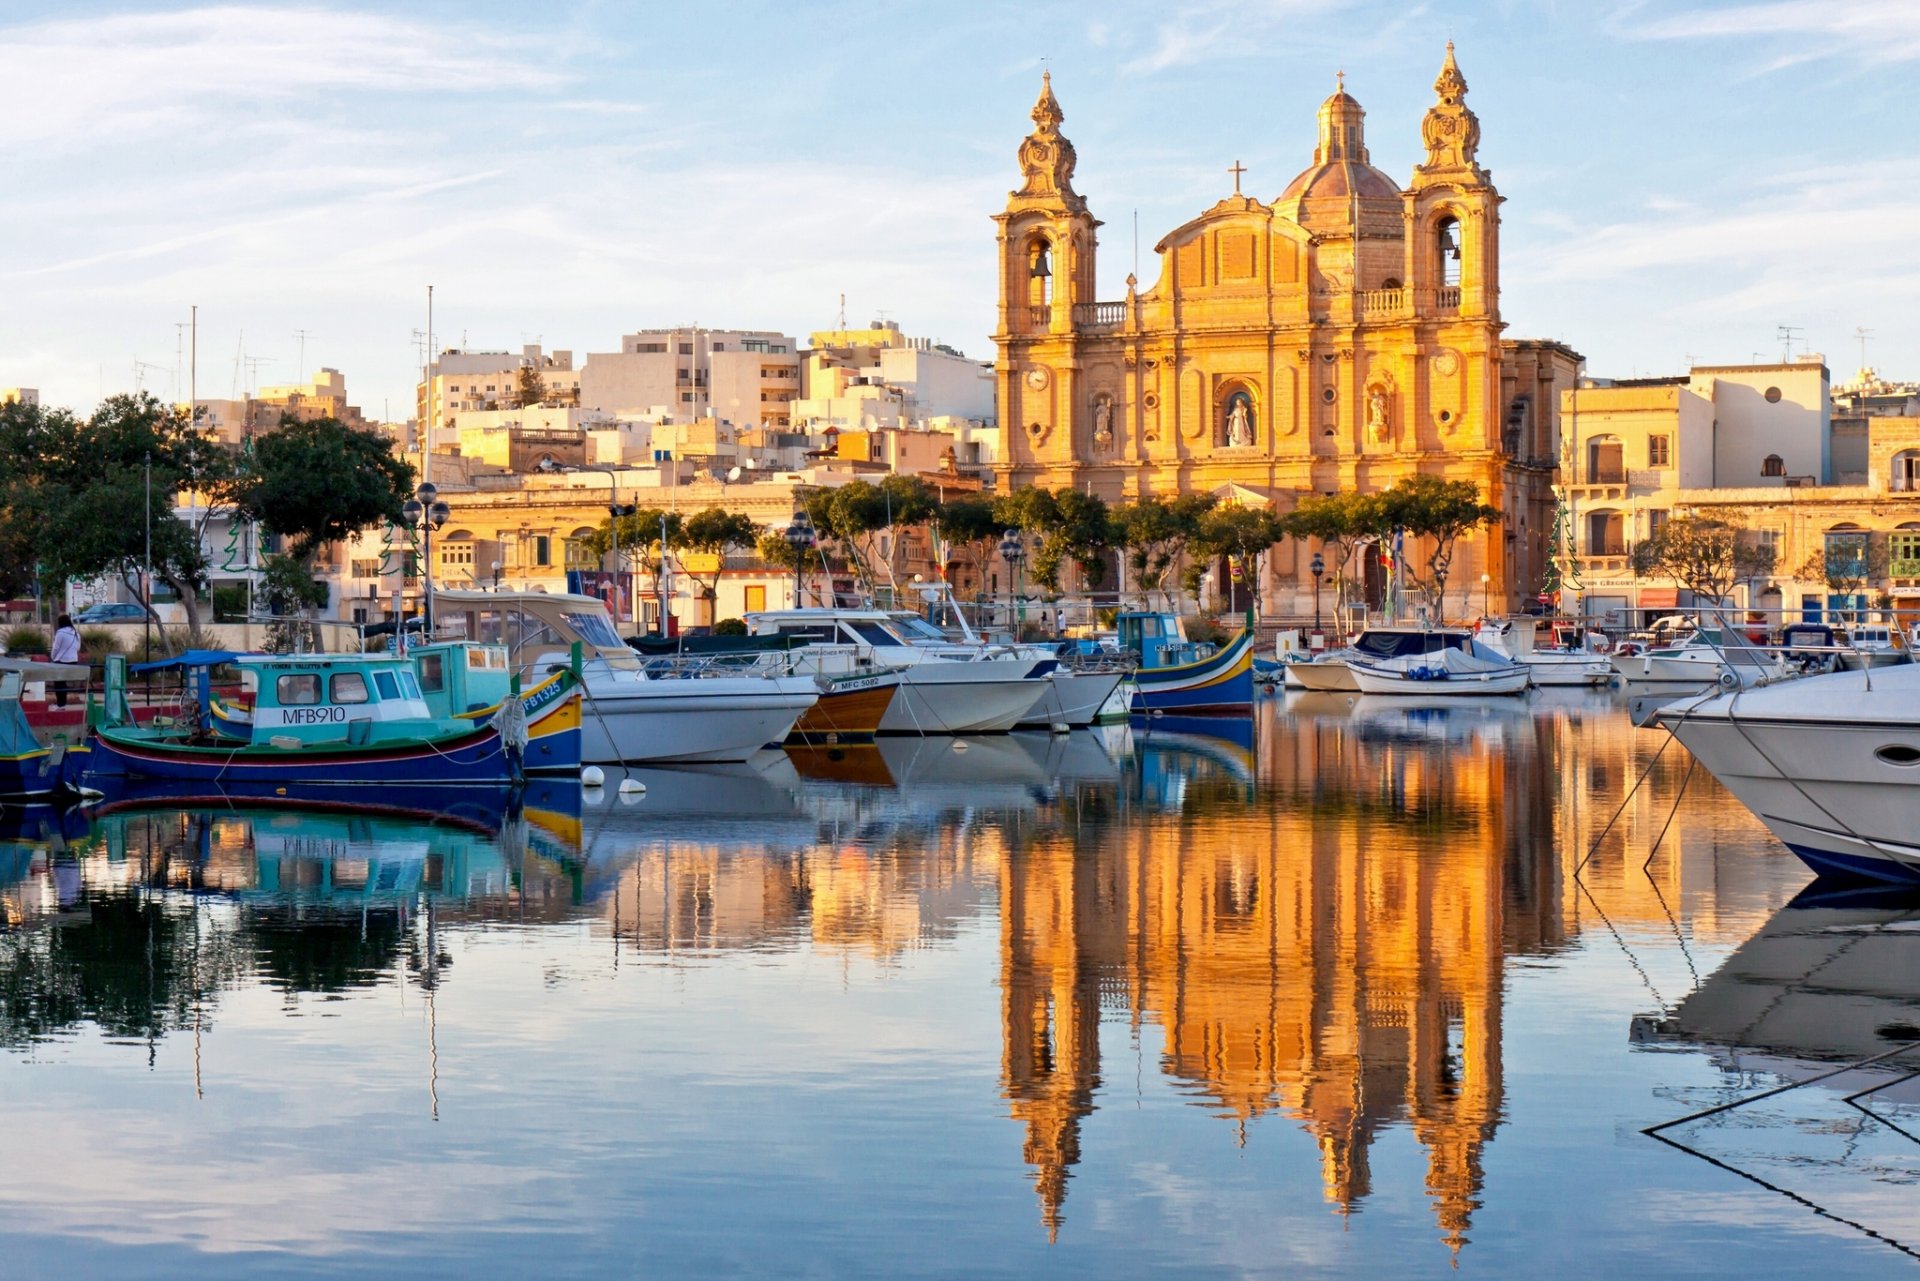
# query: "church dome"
{"points": [[1340, 170]]}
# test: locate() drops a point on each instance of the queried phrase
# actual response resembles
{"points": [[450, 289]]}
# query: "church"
{"points": [[1337, 338]]}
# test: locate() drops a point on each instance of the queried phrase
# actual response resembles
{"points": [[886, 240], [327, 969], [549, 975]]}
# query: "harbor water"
{"points": [[1361, 987]]}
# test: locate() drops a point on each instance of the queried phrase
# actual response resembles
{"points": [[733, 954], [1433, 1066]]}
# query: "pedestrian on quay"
{"points": [[66, 649]]}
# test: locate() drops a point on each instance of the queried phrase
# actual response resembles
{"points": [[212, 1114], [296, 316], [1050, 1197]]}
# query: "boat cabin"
{"points": [[322, 698], [458, 677], [1376, 643], [536, 629], [1158, 640]]}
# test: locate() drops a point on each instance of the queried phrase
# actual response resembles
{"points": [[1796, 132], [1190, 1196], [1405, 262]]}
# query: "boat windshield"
{"points": [[1401, 644], [875, 633], [914, 627], [594, 629]]}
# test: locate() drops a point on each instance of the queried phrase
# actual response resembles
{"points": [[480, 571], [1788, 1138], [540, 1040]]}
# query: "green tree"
{"points": [[1331, 521], [321, 481], [1703, 554], [1439, 511], [1156, 534], [968, 526], [716, 532], [529, 387], [1242, 535]]}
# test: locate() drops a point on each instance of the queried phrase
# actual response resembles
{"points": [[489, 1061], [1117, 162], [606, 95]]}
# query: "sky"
{"points": [[1682, 179]]}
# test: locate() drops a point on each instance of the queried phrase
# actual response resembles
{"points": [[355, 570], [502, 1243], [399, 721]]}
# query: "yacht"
{"points": [[1078, 688], [634, 712], [1569, 663], [1711, 656], [1831, 764], [958, 689]]}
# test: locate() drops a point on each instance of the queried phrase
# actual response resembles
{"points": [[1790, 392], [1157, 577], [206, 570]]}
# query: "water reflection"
{"points": [[1314, 921]]}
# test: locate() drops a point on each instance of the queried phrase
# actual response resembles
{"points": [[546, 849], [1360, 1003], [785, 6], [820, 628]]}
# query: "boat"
{"points": [[1873, 645], [331, 721], [851, 706], [459, 680], [633, 710], [965, 690], [30, 769], [1558, 664], [1175, 675], [1328, 673], [1830, 764], [1442, 673], [1712, 656], [1079, 686]]}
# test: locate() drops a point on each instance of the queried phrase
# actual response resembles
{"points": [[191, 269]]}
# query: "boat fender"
{"points": [[1061, 727], [592, 776], [632, 789]]}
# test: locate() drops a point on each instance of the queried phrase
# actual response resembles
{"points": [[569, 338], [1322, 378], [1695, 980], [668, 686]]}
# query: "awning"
{"points": [[1659, 598], [192, 658]]}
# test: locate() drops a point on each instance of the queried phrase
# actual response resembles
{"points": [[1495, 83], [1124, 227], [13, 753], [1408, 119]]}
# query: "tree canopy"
{"points": [[320, 481], [1703, 554]]}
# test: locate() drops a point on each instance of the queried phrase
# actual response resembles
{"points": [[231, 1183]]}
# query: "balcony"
{"points": [[1904, 567], [1449, 298], [1040, 317], [1605, 475], [1377, 302], [1099, 315]]}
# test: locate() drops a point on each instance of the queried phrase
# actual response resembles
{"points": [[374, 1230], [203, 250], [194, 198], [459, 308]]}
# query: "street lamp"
{"points": [[1317, 566], [1486, 595], [1013, 551], [800, 538], [426, 513]]}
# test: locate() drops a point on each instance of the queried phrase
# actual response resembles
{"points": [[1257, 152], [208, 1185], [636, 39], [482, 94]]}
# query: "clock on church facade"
{"points": [[1336, 338]]}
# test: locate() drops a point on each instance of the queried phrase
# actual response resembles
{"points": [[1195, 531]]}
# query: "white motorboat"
{"points": [[631, 713], [1076, 690], [1873, 645], [1442, 673], [1328, 673], [1831, 764], [1555, 665], [967, 691], [1713, 657]]}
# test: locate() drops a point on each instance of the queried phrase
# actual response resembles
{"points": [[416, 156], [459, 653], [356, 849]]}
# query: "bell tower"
{"points": [[1453, 215], [1047, 243]]}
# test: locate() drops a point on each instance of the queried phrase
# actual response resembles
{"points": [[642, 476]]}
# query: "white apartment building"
{"points": [[876, 378], [738, 377], [461, 381]]}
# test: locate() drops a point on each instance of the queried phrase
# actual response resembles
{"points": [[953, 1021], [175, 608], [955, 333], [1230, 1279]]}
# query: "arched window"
{"points": [[1773, 466], [1039, 271], [1606, 533], [1906, 471], [454, 551], [1446, 242], [1606, 461], [579, 556]]}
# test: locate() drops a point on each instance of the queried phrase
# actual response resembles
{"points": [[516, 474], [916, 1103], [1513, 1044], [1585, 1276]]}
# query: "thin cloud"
{"points": [[1878, 31]]}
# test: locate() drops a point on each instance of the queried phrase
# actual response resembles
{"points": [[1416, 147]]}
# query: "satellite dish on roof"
{"points": [[733, 474]]}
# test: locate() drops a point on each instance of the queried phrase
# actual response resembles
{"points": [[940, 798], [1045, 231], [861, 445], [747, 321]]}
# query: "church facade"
{"points": [[1340, 337]]}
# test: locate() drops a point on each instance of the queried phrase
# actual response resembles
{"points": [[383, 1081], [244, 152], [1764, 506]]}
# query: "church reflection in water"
{"points": [[1310, 923]]}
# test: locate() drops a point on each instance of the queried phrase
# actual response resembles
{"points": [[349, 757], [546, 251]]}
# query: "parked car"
{"points": [[124, 612]]}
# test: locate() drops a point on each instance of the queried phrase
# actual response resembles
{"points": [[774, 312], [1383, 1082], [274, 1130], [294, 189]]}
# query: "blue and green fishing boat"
{"points": [[345, 721], [1174, 674]]}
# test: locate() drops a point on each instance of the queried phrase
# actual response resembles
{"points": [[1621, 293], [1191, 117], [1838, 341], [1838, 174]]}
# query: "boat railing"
{"points": [[713, 666]]}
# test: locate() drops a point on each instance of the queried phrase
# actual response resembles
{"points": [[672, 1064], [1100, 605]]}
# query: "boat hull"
{"points": [[1373, 680], [1847, 799], [477, 757], [1567, 669], [849, 711], [963, 698], [722, 719], [1073, 699], [1323, 676], [1220, 684]]}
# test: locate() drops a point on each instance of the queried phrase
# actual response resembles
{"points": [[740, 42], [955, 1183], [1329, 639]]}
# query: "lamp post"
{"points": [[1317, 566], [425, 512], [1013, 551], [1486, 595], [615, 510], [800, 538]]}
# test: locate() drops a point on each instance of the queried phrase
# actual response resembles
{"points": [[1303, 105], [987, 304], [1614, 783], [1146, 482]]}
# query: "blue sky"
{"points": [[1681, 178]]}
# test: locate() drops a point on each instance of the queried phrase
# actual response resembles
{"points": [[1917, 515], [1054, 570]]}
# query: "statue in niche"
{"points": [[1377, 412], [1239, 420], [1102, 423]]}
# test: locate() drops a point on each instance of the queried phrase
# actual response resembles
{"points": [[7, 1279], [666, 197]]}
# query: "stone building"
{"points": [[1339, 337]]}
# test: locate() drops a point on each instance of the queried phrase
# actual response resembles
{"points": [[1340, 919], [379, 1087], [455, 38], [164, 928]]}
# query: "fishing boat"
{"points": [[459, 680], [28, 767], [328, 721], [1328, 673], [965, 690], [1830, 764], [633, 711], [1445, 673], [1174, 674]]}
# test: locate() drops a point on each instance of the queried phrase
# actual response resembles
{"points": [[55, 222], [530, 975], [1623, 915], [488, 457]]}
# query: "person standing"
{"points": [[66, 649]]}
